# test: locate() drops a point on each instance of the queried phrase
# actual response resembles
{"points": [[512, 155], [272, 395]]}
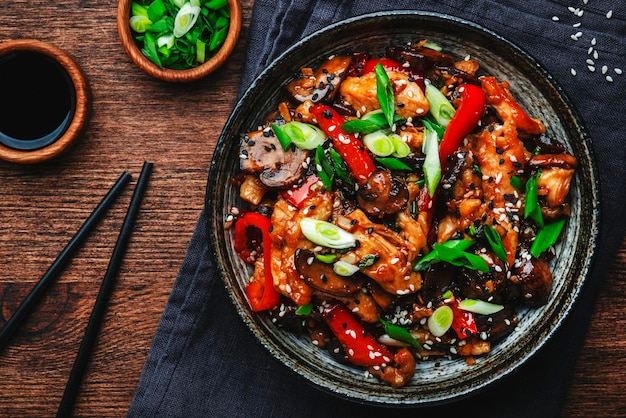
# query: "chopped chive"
{"points": [[385, 93], [546, 237], [495, 242]]}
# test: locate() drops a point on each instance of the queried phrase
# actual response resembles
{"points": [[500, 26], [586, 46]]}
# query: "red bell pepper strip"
{"points": [[261, 295], [465, 119], [347, 145], [361, 347], [463, 323], [297, 195], [388, 65]]}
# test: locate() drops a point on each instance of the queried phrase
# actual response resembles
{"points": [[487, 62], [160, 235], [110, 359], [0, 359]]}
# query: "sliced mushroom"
{"points": [[420, 58], [322, 277], [262, 153], [534, 279], [382, 194], [321, 84]]}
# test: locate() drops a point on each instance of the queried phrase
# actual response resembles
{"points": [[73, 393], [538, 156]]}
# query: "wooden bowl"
{"points": [[79, 113], [133, 51]]}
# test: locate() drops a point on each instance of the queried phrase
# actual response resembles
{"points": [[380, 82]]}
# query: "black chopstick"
{"points": [[55, 268], [84, 352]]}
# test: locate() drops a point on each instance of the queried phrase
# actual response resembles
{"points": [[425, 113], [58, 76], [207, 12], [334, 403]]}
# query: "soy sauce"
{"points": [[37, 100]]}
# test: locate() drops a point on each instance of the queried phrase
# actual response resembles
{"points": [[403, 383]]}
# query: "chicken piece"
{"points": [[473, 347], [413, 137], [500, 98], [251, 189], [287, 237], [400, 372], [387, 253], [557, 171], [360, 93], [500, 154]]}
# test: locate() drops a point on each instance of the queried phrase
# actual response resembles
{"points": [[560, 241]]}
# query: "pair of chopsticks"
{"points": [[106, 288]]}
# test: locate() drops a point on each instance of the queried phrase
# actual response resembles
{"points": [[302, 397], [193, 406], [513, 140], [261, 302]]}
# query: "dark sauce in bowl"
{"points": [[37, 100]]}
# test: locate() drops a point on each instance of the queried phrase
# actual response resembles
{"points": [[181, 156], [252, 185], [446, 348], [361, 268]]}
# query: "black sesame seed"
{"points": [[499, 150], [344, 325]]}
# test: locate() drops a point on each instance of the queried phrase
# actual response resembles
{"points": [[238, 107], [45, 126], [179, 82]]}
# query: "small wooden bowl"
{"points": [[133, 51], [82, 101]]}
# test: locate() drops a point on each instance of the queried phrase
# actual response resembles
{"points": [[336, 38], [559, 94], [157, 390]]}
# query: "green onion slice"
{"points": [[185, 19], [326, 234], [432, 165], [440, 107], [531, 208], [399, 333], [480, 306], [305, 310], [379, 143], [340, 166], [385, 93], [495, 242], [326, 258], [547, 237], [368, 261], [140, 24], [516, 182], [304, 135], [393, 164], [322, 167], [344, 269], [452, 252], [282, 137], [401, 149], [440, 321]]}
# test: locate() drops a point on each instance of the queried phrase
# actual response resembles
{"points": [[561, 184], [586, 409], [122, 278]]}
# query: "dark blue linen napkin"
{"points": [[205, 362]]}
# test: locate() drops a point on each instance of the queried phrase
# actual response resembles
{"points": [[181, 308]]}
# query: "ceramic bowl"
{"points": [[56, 142], [130, 46], [537, 92]]}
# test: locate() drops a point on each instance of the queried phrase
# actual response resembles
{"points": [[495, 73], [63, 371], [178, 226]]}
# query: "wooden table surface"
{"points": [[175, 126]]}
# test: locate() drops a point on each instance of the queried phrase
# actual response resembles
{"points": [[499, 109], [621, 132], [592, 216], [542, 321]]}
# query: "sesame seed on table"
{"points": [[175, 126]]}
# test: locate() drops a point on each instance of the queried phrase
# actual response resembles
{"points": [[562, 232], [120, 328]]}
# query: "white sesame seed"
{"points": [[571, 9], [576, 25], [574, 37], [453, 350], [573, 71], [617, 70], [590, 61], [595, 54], [555, 18], [288, 288], [609, 14], [350, 352], [580, 13], [609, 78], [578, 34], [591, 68], [604, 69]]}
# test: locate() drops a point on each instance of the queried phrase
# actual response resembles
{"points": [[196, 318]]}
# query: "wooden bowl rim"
{"points": [[83, 102], [167, 74]]}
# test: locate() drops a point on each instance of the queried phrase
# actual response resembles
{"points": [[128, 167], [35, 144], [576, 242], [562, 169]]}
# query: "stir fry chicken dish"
{"points": [[400, 208]]}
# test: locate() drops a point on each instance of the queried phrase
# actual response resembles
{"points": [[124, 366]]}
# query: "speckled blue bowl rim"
{"points": [[527, 341]]}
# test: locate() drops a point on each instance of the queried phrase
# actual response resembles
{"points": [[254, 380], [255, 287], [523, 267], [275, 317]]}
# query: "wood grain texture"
{"points": [[135, 118]]}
